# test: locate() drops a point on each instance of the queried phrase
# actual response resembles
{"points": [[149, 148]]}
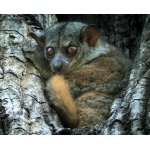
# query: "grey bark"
{"points": [[23, 105]]}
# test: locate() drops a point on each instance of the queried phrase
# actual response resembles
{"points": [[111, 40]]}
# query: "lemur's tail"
{"points": [[60, 97]]}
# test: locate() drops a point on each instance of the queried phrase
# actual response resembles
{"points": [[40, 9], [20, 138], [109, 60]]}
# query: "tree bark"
{"points": [[23, 105]]}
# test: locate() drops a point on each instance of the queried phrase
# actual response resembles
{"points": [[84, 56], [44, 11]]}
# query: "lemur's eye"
{"points": [[71, 51], [50, 52]]}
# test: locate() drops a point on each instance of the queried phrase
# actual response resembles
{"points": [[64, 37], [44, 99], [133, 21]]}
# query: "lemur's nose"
{"points": [[58, 66]]}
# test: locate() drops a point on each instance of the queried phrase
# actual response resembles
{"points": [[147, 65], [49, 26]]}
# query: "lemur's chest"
{"points": [[92, 76]]}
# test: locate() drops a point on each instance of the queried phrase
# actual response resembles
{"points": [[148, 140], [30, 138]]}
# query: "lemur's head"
{"points": [[66, 44]]}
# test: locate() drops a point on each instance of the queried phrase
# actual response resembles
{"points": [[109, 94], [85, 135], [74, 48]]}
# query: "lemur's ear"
{"points": [[90, 34], [40, 40]]}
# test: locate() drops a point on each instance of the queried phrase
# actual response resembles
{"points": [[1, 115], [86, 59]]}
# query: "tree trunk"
{"points": [[23, 105]]}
